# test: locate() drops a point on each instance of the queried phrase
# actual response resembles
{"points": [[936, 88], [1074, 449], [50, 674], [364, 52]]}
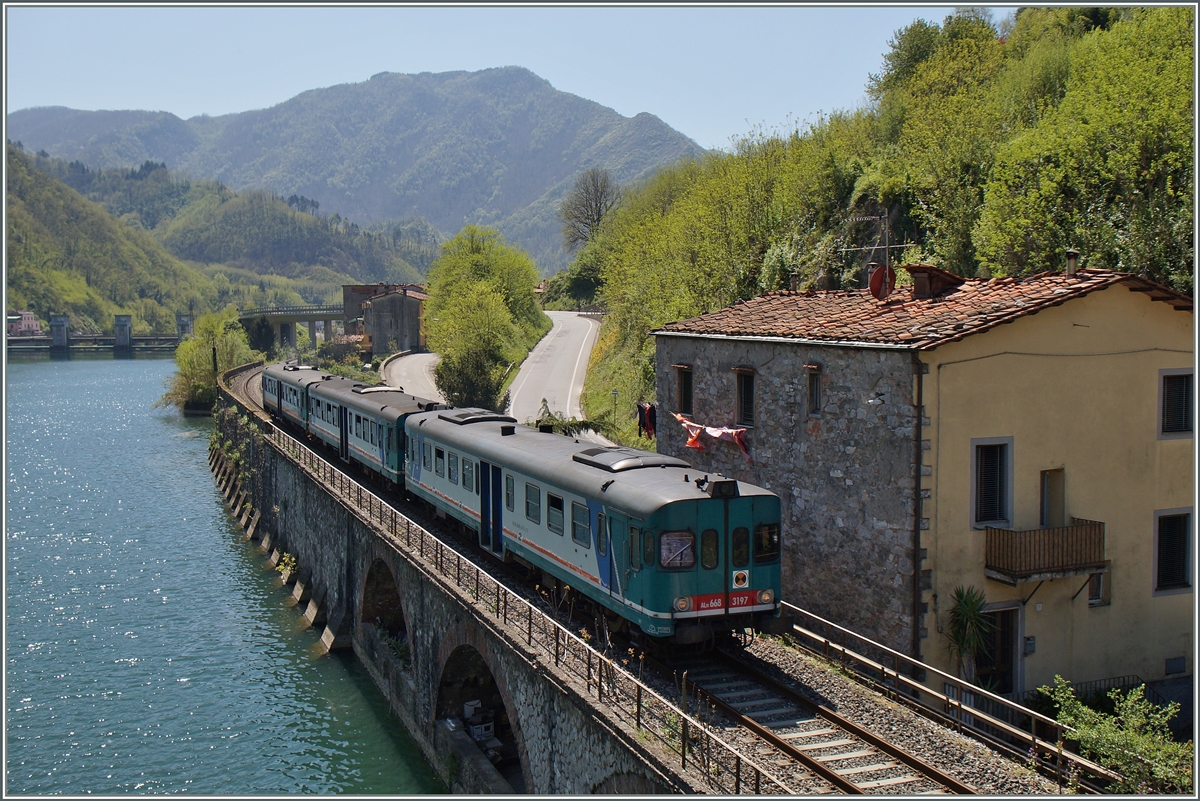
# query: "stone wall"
{"points": [[564, 744], [845, 475]]}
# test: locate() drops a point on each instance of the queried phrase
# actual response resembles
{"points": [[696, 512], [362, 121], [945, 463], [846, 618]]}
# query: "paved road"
{"points": [[415, 373], [556, 368]]}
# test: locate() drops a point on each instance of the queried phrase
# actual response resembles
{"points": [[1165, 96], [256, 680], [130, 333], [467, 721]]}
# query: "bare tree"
{"points": [[593, 196]]}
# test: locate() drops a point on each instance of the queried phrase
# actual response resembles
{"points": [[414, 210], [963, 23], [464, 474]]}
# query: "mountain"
{"points": [[498, 147]]}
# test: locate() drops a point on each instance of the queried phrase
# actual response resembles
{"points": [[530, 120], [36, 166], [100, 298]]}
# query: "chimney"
{"points": [[794, 281], [1072, 260]]}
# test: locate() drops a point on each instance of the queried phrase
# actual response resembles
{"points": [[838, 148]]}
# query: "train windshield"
{"points": [[766, 543], [677, 549]]}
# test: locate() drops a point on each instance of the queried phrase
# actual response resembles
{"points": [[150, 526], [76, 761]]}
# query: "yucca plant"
{"points": [[969, 628]]}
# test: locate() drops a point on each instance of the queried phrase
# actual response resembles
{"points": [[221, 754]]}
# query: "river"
{"points": [[149, 649]]}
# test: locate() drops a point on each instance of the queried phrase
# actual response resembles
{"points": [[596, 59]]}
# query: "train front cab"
{"points": [[698, 567]]}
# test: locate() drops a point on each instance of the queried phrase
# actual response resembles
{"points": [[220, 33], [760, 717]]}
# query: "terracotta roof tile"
{"points": [[964, 307]]}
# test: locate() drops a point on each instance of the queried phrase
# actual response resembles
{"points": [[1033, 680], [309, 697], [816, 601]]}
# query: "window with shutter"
{"points": [[745, 398], [685, 389], [1176, 403], [990, 475], [1173, 535]]}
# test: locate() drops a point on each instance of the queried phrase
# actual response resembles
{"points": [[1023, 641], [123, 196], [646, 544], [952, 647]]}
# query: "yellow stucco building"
{"points": [[1059, 459], [1032, 438]]}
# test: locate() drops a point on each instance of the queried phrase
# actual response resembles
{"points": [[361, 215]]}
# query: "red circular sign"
{"points": [[881, 282]]}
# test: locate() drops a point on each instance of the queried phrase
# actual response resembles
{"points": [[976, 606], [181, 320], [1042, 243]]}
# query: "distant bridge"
{"points": [[283, 320]]}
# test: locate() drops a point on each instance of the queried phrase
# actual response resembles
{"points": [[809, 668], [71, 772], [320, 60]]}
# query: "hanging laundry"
{"points": [[735, 435], [647, 419]]}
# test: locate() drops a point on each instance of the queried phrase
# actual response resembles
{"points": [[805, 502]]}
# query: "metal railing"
{"points": [[606, 681], [337, 311], [1083, 689], [992, 717], [1020, 554]]}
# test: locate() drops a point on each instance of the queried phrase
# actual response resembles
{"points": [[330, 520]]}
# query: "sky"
{"points": [[714, 73]]}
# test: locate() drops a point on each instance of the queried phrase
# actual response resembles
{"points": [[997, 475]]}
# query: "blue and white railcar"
{"points": [[676, 553], [285, 391], [365, 423]]}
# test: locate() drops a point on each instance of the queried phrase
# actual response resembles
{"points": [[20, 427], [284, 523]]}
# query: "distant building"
{"points": [[393, 319], [23, 324], [1031, 437], [355, 295]]}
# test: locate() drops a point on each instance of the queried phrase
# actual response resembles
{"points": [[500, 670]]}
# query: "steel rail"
{"points": [[892, 750]]}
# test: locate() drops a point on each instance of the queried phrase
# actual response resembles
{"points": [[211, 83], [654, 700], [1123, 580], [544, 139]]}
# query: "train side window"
{"points": [[533, 503], [648, 548], [601, 535], [677, 550], [709, 555], [766, 543], [453, 467], [581, 525], [554, 513], [427, 455], [635, 548], [510, 493], [740, 547], [468, 468], [358, 426], [439, 461]]}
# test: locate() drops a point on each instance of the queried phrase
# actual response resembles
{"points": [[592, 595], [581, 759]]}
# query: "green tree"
{"points": [[195, 382], [1135, 741], [480, 255], [1109, 171]]}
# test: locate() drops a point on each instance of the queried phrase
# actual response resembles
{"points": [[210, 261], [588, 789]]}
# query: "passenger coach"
{"points": [[678, 553]]}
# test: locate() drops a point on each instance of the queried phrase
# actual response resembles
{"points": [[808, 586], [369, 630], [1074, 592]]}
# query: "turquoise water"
{"points": [[149, 649]]}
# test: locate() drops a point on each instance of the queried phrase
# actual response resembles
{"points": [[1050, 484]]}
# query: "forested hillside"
{"points": [[991, 154], [497, 147], [67, 254], [151, 243]]}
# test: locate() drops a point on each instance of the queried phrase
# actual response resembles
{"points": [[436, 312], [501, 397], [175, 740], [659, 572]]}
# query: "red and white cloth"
{"points": [[735, 435]]}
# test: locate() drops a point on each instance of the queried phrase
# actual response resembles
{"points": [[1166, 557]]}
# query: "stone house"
{"points": [[1030, 437], [395, 315]]}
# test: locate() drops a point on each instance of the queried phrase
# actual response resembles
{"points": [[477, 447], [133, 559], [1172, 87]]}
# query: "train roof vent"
{"points": [[616, 459], [361, 390], [464, 417]]}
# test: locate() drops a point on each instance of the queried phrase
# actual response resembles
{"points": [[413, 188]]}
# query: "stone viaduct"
{"points": [[435, 632]]}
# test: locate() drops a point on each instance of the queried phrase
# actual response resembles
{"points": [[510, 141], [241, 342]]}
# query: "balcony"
{"points": [[1014, 557]]}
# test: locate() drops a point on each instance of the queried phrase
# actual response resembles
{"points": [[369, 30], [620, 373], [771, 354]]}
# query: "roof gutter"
{"points": [[788, 340]]}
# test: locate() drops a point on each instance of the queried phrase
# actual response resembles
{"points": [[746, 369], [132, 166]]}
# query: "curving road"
{"points": [[555, 369], [414, 373]]}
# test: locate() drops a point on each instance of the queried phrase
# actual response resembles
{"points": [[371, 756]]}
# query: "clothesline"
{"points": [[694, 430]]}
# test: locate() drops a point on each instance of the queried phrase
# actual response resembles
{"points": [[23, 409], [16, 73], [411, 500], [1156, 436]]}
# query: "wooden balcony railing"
{"points": [[1045, 553]]}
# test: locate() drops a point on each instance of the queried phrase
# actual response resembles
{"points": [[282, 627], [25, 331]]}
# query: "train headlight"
{"points": [[683, 604], [766, 596]]}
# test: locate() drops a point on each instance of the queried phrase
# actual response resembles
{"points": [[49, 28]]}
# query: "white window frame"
{"points": [[1187, 560], [1007, 521], [1172, 434]]}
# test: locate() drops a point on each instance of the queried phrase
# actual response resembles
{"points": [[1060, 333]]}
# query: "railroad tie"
{"points": [[867, 768], [889, 782], [796, 735], [830, 744], [847, 755]]}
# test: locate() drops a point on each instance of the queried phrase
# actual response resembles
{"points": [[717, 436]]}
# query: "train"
{"points": [[671, 553]]}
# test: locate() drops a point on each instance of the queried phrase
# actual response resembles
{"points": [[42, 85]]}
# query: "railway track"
{"points": [[797, 735]]}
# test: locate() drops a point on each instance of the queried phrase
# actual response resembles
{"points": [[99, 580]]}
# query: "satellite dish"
{"points": [[881, 282]]}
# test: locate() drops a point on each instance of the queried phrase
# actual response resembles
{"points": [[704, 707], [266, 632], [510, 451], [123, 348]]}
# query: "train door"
{"points": [[344, 433], [491, 503], [739, 578]]}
